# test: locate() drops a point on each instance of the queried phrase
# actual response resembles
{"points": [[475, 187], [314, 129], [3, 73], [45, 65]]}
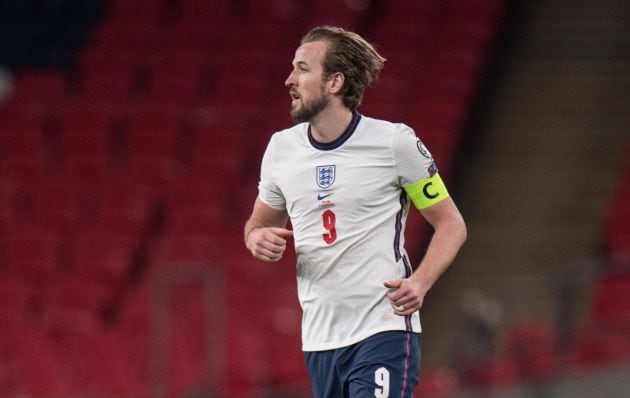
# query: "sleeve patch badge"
{"points": [[423, 150]]}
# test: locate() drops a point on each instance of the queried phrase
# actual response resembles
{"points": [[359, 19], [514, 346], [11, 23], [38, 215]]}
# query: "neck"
{"points": [[330, 123]]}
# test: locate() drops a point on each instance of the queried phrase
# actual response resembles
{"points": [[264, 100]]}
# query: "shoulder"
{"points": [[387, 132], [386, 127], [292, 133], [289, 140]]}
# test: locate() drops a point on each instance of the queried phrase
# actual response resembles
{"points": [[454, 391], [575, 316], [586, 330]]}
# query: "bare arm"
{"points": [[449, 235], [265, 232]]}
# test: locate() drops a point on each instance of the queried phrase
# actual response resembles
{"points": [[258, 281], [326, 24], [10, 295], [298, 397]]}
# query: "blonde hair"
{"points": [[349, 54]]}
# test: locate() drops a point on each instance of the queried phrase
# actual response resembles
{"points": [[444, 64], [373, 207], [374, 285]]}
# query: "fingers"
{"points": [[271, 254], [268, 251], [275, 245], [281, 231], [397, 289], [407, 307], [392, 284], [403, 298], [267, 244], [275, 235], [268, 256]]}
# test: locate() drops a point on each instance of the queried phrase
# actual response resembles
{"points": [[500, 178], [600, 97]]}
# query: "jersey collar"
{"points": [[327, 146]]}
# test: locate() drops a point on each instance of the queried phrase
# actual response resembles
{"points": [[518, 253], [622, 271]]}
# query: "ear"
{"points": [[336, 82]]}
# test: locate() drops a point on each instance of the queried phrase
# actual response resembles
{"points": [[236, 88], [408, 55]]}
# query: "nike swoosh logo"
{"points": [[320, 197]]}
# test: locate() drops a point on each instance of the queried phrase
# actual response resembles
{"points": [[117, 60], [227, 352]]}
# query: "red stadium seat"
{"points": [[110, 64], [37, 370], [124, 210], [153, 143], [612, 299], [604, 338], [617, 227], [320, 13], [43, 86], [597, 345], [107, 90], [495, 373], [109, 367], [24, 153], [216, 153], [437, 383], [32, 256], [103, 259], [178, 89], [174, 250], [88, 146], [197, 35], [18, 305], [180, 61], [533, 348], [121, 9], [188, 321], [131, 33], [59, 206]]}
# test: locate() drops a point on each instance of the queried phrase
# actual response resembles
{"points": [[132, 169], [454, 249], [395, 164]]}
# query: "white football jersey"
{"points": [[348, 210]]}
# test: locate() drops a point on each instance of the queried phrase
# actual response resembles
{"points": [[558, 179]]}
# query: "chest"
{"points": [[352, 177]]}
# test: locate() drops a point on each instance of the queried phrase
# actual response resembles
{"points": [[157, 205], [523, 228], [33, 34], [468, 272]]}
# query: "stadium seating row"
{"points": [[537, 352]]}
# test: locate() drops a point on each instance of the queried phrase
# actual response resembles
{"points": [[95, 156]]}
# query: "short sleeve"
{"points": [[413, 160], [268, 190]]}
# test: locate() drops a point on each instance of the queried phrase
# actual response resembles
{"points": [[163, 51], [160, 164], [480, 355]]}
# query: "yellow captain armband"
{"points": [[427, 191]]}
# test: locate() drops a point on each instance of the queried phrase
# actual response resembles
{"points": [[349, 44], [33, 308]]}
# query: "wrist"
{"points": [[248, 232], [422, 282]]}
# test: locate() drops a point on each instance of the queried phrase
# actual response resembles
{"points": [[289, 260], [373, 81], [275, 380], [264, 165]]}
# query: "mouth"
{"points": [[294, 96]]}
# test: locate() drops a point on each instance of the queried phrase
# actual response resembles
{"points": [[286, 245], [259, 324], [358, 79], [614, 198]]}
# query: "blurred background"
{"points": [[131, 133]]}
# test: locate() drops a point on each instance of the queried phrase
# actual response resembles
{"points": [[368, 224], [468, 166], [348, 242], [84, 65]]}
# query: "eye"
{"points": [[302, 67]]}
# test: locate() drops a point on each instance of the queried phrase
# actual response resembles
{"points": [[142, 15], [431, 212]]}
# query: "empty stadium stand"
{"points": [[127, 171]]}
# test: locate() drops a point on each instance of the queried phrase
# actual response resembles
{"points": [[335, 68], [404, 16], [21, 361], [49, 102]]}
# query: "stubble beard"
{"points": [[309, 109]]}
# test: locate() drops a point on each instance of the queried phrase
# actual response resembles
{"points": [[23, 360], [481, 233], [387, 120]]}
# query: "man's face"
{"points": [[306, 82]]}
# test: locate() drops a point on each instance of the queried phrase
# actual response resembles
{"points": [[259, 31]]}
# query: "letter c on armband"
{"points": [[427, 192]]}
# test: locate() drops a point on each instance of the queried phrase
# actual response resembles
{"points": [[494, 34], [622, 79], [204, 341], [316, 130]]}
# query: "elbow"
{"points": [[460, 230], [454, 229], [463, 231]]}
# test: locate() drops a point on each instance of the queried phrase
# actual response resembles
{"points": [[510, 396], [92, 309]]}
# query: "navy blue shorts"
{"points": [[385, 365]]}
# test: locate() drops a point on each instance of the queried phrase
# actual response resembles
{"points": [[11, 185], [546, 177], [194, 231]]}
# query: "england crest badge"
{"points": [[325, 176]]}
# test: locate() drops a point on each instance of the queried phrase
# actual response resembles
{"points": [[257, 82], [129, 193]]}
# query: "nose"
{"points": [[290, 80]]}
